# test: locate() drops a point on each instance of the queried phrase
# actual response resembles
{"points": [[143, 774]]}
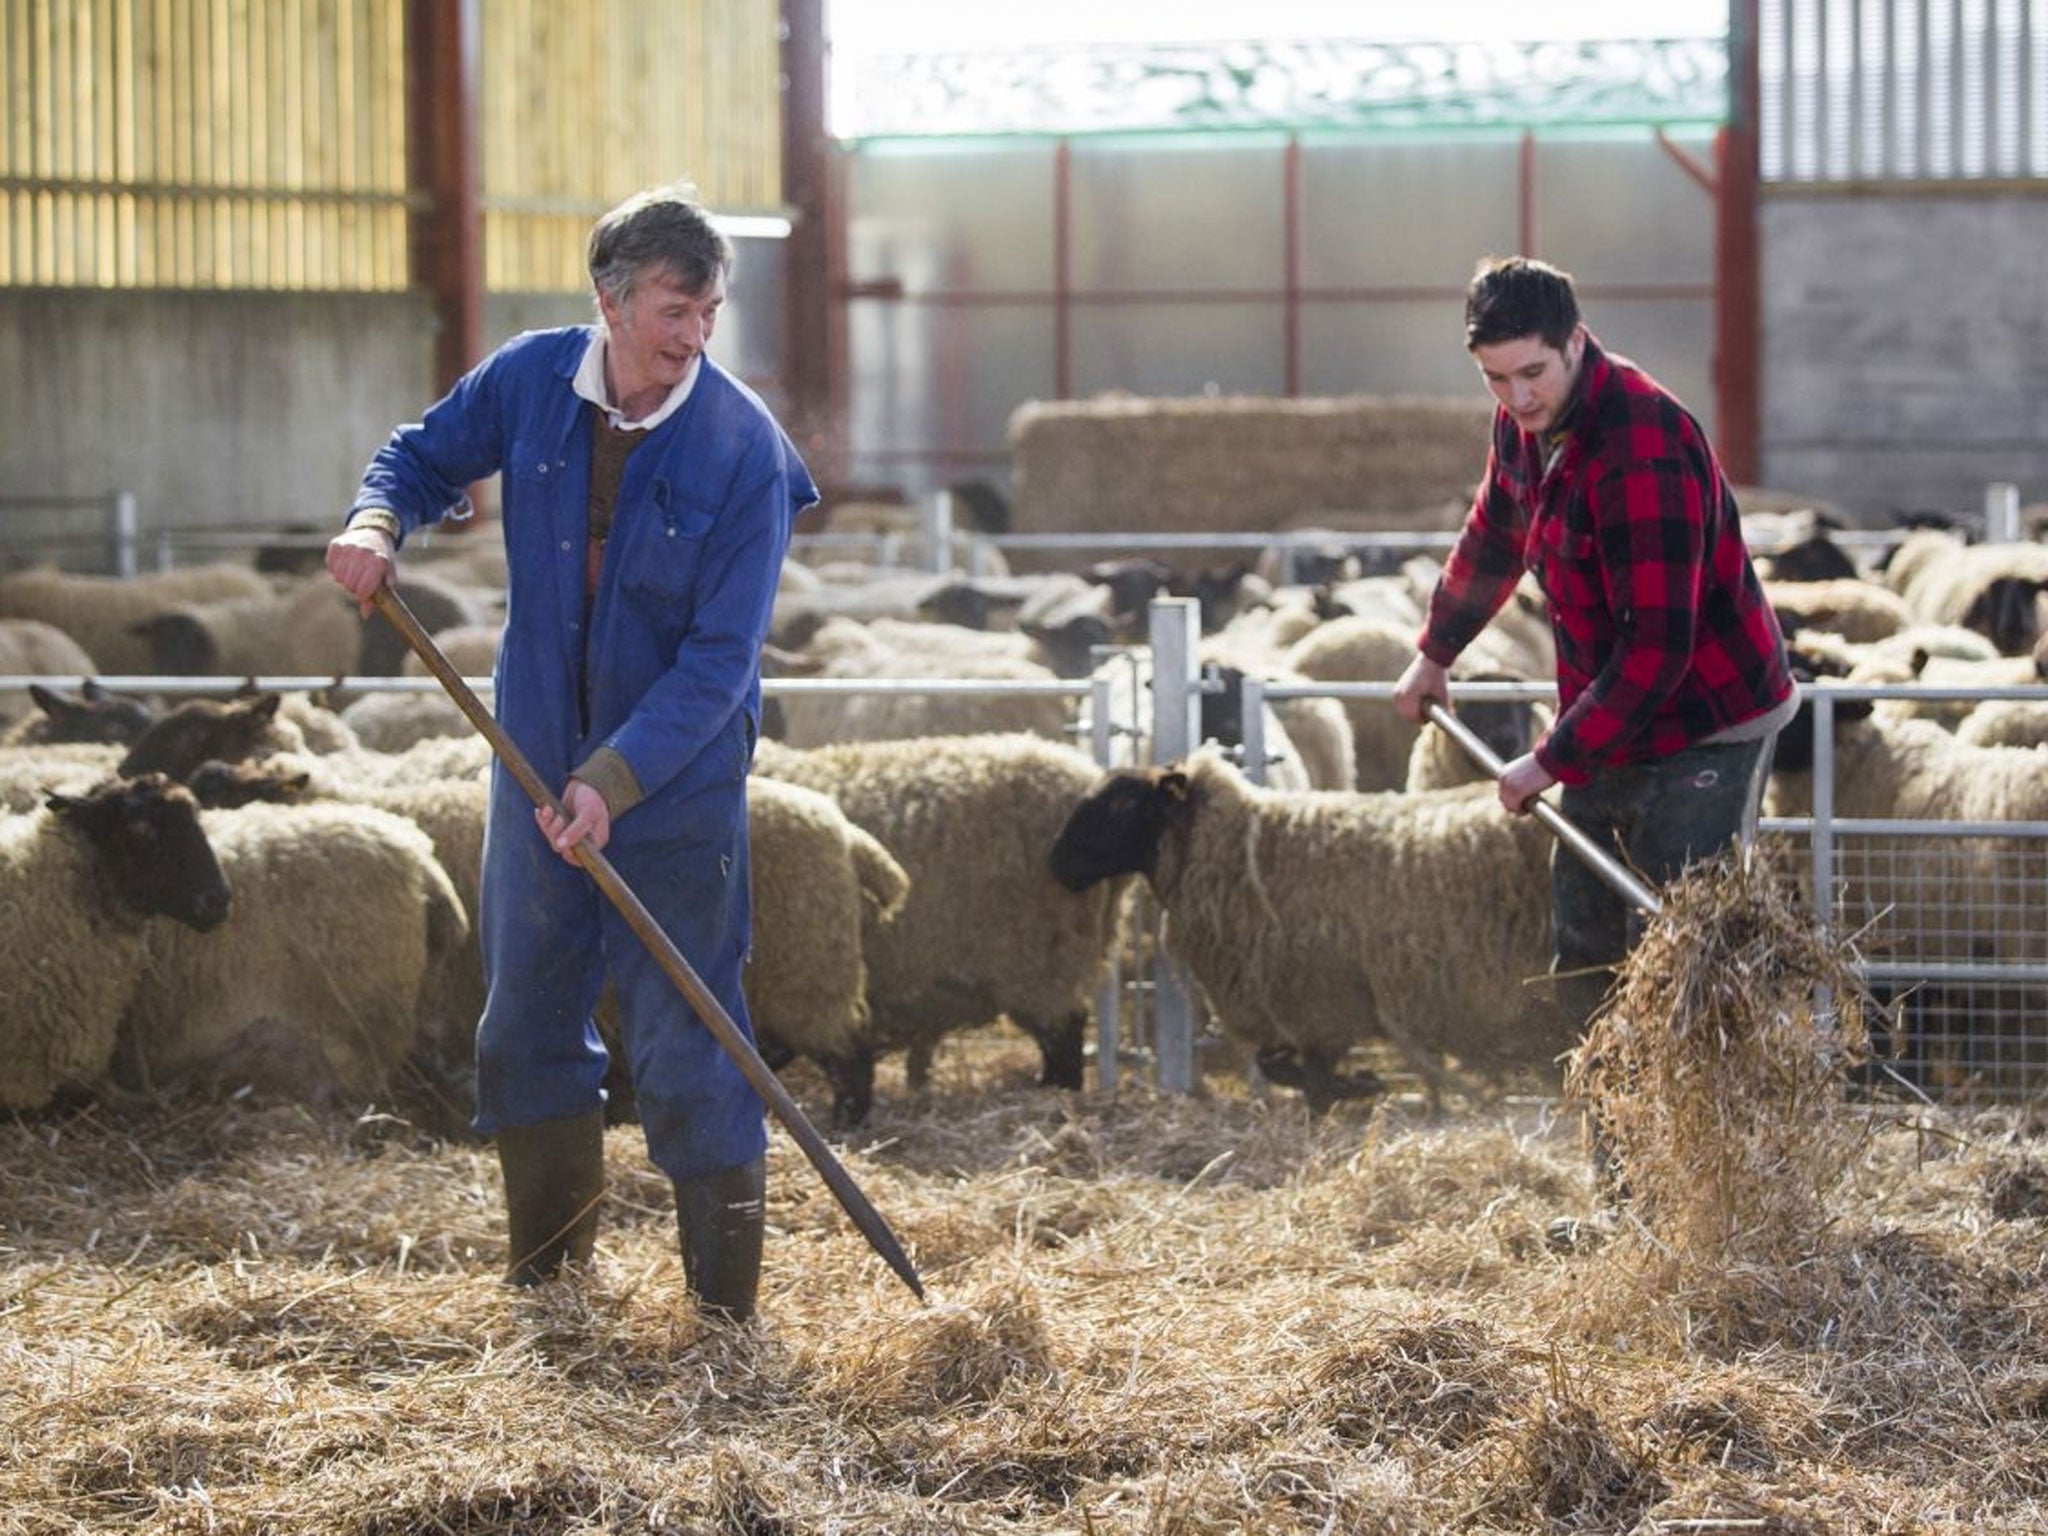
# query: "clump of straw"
{"points": [[1716, 1070]]}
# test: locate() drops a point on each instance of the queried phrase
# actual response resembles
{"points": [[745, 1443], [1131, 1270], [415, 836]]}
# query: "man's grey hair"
{"points": [[660, 229]]}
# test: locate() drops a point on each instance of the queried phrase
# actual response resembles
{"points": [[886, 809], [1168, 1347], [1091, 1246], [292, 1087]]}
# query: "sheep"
{"points": [[99, 612], [1994, 589], [2006, 723], [442, 786], [820, 882], [32, 648], [1315, 922], [439, 605], [93, 714], [69, 767], [1859, 611], [1794, 545], [200, 730], [850, 650], [985, 930], [80, 881], [472, 649], [308, 630], [391, 722], [1438, 762], [312, 986], [1363, 650]]}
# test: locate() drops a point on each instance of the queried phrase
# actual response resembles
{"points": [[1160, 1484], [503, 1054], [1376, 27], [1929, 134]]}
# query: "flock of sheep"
{"points": [[279, 890]]}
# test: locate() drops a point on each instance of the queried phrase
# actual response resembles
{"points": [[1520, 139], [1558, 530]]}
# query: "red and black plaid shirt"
{"points": [[1663, 634]]}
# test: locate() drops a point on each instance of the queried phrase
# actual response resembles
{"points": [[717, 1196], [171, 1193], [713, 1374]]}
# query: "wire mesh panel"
{"points": [[1953, 930]]}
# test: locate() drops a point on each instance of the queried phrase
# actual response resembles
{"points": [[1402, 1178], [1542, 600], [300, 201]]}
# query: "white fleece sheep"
{"points": [[310, 629], [819, 884], [67, 767], [1991, 588], [312, 986], [1857, 610], [846, 649], [99, 612], [1316, 922], [34, 648], [1354, 650], [986, 931], [76, 913], [391, 722]]}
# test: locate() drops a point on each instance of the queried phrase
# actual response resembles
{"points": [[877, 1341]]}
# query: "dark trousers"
{"points": [[1657, 817]]}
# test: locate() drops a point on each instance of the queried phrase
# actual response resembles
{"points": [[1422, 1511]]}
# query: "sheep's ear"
{"points": [[62, 805], [262, 707], [1174, 783], [49, 703], [91, 689], [1920, 659]]}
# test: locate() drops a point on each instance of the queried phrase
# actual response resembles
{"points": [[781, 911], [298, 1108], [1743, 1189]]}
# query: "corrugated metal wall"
{"points": [[585, 103], [1169, 258]]}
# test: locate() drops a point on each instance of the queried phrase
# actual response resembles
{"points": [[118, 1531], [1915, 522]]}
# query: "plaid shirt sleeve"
{"points": [[1487, 560], [1649, 524]]}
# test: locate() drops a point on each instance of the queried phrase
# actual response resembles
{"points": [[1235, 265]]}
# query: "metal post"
{"points": [[1176, 630], [2001, 513], [122, 532], [1823, 802], [938, 533], [1109, 996], [1252, 708]]}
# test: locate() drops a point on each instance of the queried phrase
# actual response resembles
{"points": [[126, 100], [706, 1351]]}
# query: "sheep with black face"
{"points": [[1316, 922], [81, 882]]}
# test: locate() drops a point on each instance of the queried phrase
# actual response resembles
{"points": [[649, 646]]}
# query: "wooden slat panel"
{"points": [[585, 104], [261, 143], [203, 143]]}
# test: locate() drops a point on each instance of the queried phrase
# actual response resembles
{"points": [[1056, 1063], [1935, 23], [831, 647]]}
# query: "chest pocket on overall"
{"points": [[661, 547]]}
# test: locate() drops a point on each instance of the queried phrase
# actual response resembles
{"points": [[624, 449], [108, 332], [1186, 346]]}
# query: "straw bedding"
{"points": [[1148, 1315]]}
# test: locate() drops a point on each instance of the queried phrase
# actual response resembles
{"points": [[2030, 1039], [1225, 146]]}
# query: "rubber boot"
{"points": [[554, 1183], [720, 1218]]}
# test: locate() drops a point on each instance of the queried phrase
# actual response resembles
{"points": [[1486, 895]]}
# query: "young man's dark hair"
{"points": [[1516, 296]]}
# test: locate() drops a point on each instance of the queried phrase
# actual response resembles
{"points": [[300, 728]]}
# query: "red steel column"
{"points": [[808, 295], [447, 179], [1738, 286], [1291, 194], [1062, 271], [1525, 211]]}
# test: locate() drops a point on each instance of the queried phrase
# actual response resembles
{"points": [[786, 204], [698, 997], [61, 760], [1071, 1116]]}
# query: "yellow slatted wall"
{"points": [[585, 103], [203, 144], [260, 144]]}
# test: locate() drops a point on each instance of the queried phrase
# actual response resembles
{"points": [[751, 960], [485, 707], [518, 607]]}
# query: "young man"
{"points": [[1671, 672], [648, 499]]}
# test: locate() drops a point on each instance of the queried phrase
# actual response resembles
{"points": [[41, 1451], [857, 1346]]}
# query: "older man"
{"points": [[647, 500]]}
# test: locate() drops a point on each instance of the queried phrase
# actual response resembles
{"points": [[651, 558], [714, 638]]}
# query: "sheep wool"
{"points": [[28, 770], [1317, 922], [313, 984], [71, 963], [819, 881], [32, 648], [985, 930], [99, 612]]}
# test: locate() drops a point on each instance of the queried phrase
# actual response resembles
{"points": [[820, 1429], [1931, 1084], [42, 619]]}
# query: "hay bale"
{"points": [[1717, 1071], [1233, 464]]}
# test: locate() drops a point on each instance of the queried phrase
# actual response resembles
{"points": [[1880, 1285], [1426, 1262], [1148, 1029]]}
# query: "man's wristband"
{"points": [[383, 519]]}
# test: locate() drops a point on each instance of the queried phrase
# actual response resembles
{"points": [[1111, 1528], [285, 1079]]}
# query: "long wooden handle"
{"points": [[1602, 863], [700, 997]]}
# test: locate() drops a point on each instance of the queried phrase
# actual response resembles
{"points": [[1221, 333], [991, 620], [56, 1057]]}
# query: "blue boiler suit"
{"points": [[668, 677]]}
